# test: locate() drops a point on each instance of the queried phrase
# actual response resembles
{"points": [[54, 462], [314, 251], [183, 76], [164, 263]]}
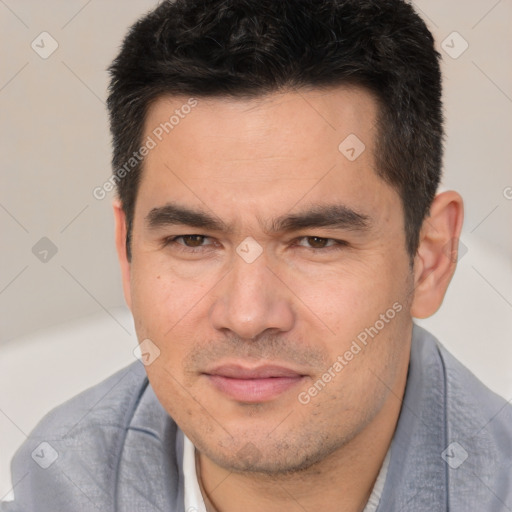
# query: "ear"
{"points": [[436, 258], [121, 231]]}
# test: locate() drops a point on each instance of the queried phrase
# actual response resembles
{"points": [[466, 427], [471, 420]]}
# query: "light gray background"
{"points": [[62, 322]]}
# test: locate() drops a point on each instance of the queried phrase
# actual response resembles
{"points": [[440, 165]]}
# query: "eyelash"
{"points": [[182, 247], [337, 245]]}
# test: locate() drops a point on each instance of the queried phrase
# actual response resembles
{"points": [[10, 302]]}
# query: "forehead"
{"points": [[275, 151], [280, 125]]}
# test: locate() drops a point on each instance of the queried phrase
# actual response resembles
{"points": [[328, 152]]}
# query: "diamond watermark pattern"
{"points": [[44, 45], [351, 147], [454, 45], [454, 455], [45, 455], [44, 250], [455, 250], [249, 454], [146, 352], [249, 250]]}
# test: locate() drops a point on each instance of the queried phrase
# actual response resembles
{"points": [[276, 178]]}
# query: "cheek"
{"points": [[163, 308], [161, 299], [150, 296], [346, 300]]}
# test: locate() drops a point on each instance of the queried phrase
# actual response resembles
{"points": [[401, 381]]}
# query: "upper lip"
{"points": [[233, 371]]}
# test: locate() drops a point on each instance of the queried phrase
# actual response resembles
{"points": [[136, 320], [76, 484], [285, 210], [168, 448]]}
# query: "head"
{"points": [[280, 212]]}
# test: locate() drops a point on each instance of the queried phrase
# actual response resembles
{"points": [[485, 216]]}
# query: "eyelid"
{"points": [[338, 244], [172, 240], [318, 237], [334, 243]]}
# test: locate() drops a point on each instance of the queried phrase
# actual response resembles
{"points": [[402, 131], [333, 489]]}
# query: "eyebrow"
{"points": [[172, 214], [336, 216]]}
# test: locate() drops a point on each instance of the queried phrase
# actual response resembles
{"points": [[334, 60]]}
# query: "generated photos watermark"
{"points": [[151, 142], [360, 341]]}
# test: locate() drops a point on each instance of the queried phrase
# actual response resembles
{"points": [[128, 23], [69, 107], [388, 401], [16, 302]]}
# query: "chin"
{"points": [[279, 457]]}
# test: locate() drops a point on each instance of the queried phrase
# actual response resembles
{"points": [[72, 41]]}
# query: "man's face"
{"points": [[261, 250]]}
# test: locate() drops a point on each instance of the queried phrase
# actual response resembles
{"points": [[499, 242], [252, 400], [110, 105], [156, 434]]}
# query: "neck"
{"points": [[343, 481]]}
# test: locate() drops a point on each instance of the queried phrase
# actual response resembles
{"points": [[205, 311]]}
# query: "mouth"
{"points": [[253, 385]]}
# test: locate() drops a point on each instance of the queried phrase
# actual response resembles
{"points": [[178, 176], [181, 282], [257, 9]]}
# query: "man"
{"points": [[278, 228]]}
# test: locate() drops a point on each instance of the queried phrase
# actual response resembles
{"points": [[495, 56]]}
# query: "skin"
{"points": [[300, 304]]}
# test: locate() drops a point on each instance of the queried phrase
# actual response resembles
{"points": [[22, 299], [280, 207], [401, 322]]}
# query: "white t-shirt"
{"points": [[194, 501]]}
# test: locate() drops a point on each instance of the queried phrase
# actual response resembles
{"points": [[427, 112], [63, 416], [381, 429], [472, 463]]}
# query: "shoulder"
{"points": [[478, 444], [71, 456], [103, 405], [472, 405], [467, 398]]}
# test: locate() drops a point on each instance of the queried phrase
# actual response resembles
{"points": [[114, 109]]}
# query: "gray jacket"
{"points": [[113, 447]]}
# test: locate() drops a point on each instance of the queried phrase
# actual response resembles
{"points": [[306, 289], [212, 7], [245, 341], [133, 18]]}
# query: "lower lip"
{"points": [[254, 390]]}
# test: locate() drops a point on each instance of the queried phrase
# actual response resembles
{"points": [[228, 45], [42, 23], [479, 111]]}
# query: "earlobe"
{"points": [[120, 235], [436, 258]]}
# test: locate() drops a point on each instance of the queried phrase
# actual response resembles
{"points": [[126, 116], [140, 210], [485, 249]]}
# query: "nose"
{"points": [[250, 300]]}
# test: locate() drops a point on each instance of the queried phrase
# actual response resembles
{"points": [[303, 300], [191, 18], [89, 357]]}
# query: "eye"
{"points": [[191, 240], [317, 242], [189, 243]]}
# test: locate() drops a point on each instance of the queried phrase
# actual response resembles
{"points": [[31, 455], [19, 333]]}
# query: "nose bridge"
{"points": [[251, 299], [247, 294]]}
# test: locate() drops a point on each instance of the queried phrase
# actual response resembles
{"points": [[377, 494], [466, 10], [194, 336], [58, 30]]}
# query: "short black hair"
{"points": [[250, 48]]}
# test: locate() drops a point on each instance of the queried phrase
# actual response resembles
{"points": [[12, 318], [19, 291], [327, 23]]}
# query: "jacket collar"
{"points": [[150, 476], [417, 476]]}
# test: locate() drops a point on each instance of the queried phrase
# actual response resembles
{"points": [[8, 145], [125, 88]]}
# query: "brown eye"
{"points": [[316, 242], [193, 240], [320, 243]]}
